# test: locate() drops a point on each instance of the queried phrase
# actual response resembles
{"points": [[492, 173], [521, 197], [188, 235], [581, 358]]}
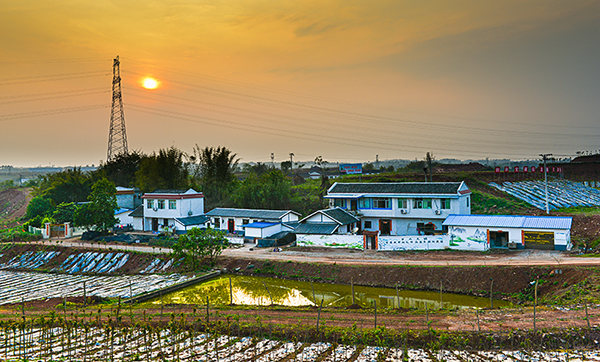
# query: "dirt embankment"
{"points": [[13, 205], [510, 282]]}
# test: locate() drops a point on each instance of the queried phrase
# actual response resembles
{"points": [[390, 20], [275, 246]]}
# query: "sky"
{"points": [[348, 80]]}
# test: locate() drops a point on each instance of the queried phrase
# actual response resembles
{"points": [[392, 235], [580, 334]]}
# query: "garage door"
{"points": [[538, 240]]}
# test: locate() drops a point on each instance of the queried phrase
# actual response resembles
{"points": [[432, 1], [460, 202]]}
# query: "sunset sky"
{"points": [[346, 80]]}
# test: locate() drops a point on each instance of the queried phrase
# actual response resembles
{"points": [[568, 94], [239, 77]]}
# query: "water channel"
{"points": [[248, 290]]}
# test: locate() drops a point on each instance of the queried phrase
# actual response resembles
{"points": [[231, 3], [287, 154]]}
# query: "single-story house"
{"points": [[261, 230], [511, 231], [328, 221], [234, 220], [123, 215]]}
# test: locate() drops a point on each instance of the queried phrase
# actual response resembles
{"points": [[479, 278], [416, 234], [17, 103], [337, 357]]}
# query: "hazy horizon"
{"points": [[345, 80]]}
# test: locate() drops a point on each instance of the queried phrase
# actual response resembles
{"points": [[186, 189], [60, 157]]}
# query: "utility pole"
{"points": [[292, 164], [117, 138], [272, 160], [377, 162], [545, 157]]}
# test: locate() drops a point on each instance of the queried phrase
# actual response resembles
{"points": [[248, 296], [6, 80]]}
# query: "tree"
{"points": [[269, 191], [199, 244], [100, 211], [39, 206], [286, 167], [215, 171], [122, 168], [71, 185], [64, 212], [165, 170]]}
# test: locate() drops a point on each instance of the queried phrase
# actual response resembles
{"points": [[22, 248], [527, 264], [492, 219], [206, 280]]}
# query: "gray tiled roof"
{"points": [[396, 188], [316, 228], [193, 220], [249, 213], [138, 212], [341, 215]]}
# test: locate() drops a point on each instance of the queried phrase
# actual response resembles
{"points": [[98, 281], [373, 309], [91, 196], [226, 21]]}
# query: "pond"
{"points": [[249, 290]]}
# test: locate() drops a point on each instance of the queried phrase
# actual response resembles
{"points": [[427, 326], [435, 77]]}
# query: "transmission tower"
{"points": [[117, 138]]}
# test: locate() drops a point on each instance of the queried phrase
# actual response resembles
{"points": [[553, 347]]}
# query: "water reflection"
{"points": [[251, 291]]}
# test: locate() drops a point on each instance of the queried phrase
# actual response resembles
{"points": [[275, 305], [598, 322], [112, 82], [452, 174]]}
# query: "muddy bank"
{"points": [[514, 282]]}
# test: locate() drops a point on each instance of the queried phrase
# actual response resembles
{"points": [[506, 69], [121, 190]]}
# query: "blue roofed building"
{"points": [[510, 231]]}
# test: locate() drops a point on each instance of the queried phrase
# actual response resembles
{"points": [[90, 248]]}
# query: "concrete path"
{"points": [[357, 257]]}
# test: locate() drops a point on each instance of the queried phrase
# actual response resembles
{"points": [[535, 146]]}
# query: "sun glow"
{"points": [[150, 83]]}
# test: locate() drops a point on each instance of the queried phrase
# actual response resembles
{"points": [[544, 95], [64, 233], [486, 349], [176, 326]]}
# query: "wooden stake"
{"points": [[319, 315], [230, 292], [397, 296], [207, 309], [375, 303], [478, 326], [352, 284], [492, 294], [535, 304], [268, 291], [441, 295]]}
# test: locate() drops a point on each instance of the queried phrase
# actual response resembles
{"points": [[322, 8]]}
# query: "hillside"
{"points": [[13, 206]]}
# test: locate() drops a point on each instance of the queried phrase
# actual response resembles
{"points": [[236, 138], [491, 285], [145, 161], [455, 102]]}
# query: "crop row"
{"points": [[110, 343]]}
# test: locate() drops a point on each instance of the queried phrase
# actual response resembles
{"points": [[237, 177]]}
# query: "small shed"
{"points": [[511, 231], [186, 223], [261, 230]]}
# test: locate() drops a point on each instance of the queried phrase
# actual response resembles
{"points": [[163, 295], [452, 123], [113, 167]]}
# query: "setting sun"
{"points": [[150, 83]]}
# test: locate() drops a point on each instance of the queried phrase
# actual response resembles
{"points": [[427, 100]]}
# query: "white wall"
{"points": [[419, 242], [124, 218], [334, 241], [251, 232]]}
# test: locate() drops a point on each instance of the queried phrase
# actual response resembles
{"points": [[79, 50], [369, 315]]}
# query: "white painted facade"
{"points": [[403, 213], [123, 216], [258, 231], [162, 207], [229, 222], [332, 241], [466, 236]]}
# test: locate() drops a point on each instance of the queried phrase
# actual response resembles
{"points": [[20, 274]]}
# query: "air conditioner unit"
{"points": [[155, 208], [404, 211], [438, 212]]}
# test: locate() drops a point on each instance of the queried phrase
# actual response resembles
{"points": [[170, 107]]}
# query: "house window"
{"points": [[339, 203], [445, 204], [245, 221], [149, 204], [217, 222], [172, 204], [381, 203], [402, 203], [368, 225], [467, 201], [422, 204], [161, 204], [364, 203]]}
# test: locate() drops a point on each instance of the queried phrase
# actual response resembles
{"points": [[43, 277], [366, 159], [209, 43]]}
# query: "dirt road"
{"points": [[369, 257]]}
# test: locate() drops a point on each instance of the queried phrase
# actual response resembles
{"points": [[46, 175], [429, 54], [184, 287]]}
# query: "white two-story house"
{"points": [[401, 208], [175, 209]]}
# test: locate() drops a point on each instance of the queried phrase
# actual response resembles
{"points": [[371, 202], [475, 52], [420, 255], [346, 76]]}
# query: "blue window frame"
{"points": [[381, 203], [364, 203], [339, 203]]}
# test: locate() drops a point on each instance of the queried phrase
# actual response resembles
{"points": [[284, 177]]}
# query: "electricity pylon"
{"points": [[117, 137]]}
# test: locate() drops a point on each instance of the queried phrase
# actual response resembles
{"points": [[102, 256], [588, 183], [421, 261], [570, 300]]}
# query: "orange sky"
{"points": [[346, 80]]}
